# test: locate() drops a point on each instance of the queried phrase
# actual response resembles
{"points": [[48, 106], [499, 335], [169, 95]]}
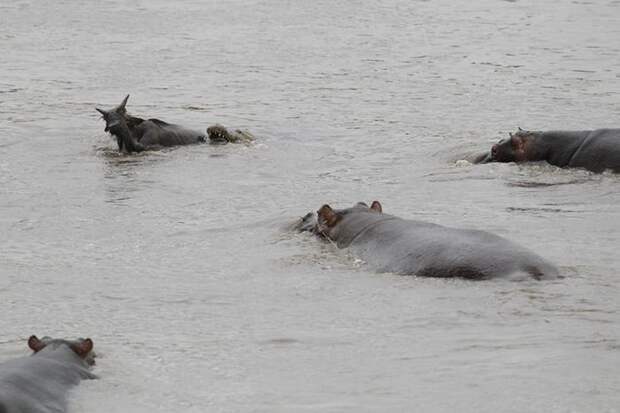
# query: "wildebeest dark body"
{"points": [[135, 134]]}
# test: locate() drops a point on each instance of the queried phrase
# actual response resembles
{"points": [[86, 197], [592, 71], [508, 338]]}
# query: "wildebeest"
{"points": [[134, 134]]}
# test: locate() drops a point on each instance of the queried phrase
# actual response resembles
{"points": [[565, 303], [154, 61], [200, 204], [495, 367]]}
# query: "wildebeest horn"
{"points": [[123, 103], [520, 130], [510, 134], [103, 112]]}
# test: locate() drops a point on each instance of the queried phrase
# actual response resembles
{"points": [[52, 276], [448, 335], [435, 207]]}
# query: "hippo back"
{"points": [[40, 383], [559, 146], [354, 223], [599, 151], [391, 244]]}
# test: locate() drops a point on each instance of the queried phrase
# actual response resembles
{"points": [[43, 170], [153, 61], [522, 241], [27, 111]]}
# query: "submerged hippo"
{"points": [[595, 150], [391, 244], [40, 383], [135, 134]]}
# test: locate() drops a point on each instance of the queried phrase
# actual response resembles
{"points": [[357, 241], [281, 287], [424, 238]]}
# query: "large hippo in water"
{"points": [[595, 150], [135, 134], [40, 383], [391, 244]]}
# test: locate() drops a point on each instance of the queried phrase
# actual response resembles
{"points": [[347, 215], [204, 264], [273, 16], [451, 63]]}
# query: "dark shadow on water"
{"points": [[112, 156], [532, 184], [553, 210], [121, 174], [8, 144], [462, 178]]}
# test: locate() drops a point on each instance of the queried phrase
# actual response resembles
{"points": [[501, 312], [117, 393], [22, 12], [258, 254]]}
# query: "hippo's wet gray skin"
{"points": [[40, 383], [307, 223], [391, 244], [136, 135], [595, 150]]}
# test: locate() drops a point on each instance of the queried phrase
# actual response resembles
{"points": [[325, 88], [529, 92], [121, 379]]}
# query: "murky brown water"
{"points": [[176, 263]]}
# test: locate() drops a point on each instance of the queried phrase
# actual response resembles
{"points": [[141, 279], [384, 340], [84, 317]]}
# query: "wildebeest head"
{"points": [[113, 117], [83, 347], [328, 218], [512, 149]]}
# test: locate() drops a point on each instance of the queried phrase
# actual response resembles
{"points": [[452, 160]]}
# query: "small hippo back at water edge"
{"points": [[40, 383], [595, 150], [391, 244]]}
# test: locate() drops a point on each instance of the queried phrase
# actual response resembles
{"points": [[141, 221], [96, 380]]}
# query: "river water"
{"points": [[179, 265]]}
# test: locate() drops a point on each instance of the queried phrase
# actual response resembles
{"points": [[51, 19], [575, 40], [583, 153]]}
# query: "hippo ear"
{"points": [[517, 141], [376, 206], [103, 112], [83, 347], [35, 344], [327, 216]]}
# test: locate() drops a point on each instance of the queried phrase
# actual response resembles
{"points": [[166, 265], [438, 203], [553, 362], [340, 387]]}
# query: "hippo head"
{"points": [[328, 218], [307, 223], [516, 148], [114, 117], [83, 347], [218, 134]]}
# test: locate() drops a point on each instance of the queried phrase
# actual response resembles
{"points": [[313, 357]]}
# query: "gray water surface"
{"points": [[178, 263]]}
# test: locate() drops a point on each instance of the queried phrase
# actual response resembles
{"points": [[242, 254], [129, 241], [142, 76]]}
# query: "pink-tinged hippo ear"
{"points": [[35, 344], [376, 206], [83, 347], [327, 216], [517, 141]]}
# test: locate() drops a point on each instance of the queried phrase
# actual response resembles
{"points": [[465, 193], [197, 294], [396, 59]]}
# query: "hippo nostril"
{"points": [[494, 150]]}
